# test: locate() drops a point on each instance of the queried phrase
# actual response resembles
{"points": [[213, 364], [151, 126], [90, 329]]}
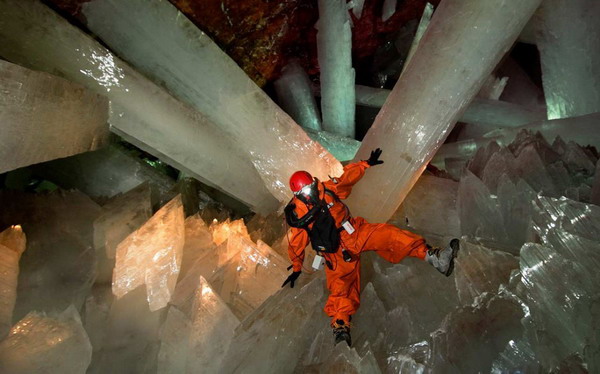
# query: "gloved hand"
{"points": [[291, 279], [374, 159]]}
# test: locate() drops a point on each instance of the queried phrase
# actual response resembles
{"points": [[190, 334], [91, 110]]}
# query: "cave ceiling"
{"points": [[263, 35]]}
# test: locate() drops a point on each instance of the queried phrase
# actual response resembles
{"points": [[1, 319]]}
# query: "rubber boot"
{"points": [[443, 259], [341, 332]]}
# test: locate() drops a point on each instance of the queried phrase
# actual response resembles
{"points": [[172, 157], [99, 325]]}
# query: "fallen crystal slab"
{"points": [[152, 256], [485, 112], [480, 269], [334, 46], [419, 114], [295, 95], [106, 173], [12, 246], [46, 344], [33, 35], [164, 45], [580, 130], [430, 208], [120, 216], [36, 106], [570, 57], [58, 267]]}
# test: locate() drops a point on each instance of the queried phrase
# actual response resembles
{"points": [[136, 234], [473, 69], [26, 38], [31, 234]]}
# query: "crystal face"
{"points": [[569, 56], [36, 106], [427, 100], [152, 256]]}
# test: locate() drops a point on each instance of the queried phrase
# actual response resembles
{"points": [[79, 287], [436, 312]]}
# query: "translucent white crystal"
{"points": [[36, 37], [357, 7], [423, 24], [430, 208], [248, 278], [492, 88], [420, 110], [286, 321], [580, 130], [211, 325], [569, 56], [471, 337], [221, 231], [480, 269], [58, 267], [12, 246], [478, 211], [169, 48], [295, 95], [131, 338], [152, 256], [388, 10], [174, 343], [520, 89], [120, 217], [198, 242], [105, 173], [46, 344], [36, 106], [334, 46]]}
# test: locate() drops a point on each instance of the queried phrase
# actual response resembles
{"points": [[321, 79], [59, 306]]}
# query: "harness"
{"points": [[324, 234]]}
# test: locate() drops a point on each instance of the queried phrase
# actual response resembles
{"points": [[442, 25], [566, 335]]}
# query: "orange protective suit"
{"points": [[343, 278]]}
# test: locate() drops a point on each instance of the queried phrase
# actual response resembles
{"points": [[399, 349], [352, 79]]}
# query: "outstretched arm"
{"points": [[352, 174]]}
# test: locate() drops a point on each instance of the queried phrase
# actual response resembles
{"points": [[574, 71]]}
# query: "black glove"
{"points": [[374, 159], [291, 279]]}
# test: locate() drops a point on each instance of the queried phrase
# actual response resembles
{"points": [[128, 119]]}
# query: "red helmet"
{"points": [[304, 187], [300, 179]]}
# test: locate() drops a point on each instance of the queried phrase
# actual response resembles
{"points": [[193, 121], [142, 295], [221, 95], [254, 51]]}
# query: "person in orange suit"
{"points": [[318, 216]]}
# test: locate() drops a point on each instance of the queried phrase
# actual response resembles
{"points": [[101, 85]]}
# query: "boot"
{"points": [[443, 259], [341, 332]]}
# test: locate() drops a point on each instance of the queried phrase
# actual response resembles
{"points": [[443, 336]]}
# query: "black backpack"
{"points": [[324, 235]]}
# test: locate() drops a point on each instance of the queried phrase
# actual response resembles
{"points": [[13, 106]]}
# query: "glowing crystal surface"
{"points": [[152, 256], [12, 245]]}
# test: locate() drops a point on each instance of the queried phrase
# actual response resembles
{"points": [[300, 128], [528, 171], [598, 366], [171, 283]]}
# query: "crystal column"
{"points": [[158, 40], [334, 45], [43, 117], [462, 45], [568, 38], [141, 111]]}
